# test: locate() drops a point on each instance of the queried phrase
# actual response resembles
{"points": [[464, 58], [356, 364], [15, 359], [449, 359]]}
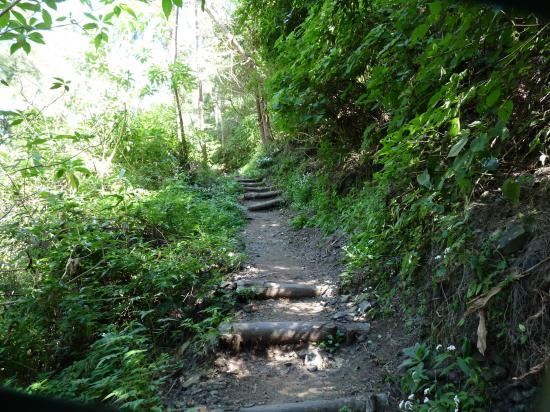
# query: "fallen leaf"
{"points": [[482, 333], [480, 302]]}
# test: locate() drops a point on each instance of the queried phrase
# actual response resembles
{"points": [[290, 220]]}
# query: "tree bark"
{"points": [[184, 148], [200, 101]]}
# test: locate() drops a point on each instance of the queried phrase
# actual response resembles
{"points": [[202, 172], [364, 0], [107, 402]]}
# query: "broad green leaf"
{"points": [[97, 40], [73, 180], [454, 130], [29, 6], [46, 17], [91, 16], [493, 97], [128, 10], [51, 4], [424, 179], [505, 111], [511, 190], [59, 173], [167, 7], [90, 26], [479, 143], [419, 32], [4, 20], [26, 46], [36, 37], [19, 17], [457, 147], [15, 46], [178, 3]]}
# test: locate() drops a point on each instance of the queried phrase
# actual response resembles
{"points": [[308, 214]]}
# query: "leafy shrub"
{"points": [[240, 145], [441, 379], [109, 283]]}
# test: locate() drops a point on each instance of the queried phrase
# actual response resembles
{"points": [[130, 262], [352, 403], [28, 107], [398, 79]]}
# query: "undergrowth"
{"points": [[394, 118]]}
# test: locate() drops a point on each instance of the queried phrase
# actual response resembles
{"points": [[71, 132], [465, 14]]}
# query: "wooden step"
{"points": [[281, 290], [273, 333], [262, 195], [270, 204], [248, 180], [355, 404], [258, 189], [251, 184]]}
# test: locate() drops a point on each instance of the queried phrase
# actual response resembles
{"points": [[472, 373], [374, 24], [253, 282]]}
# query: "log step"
{"points": [[273, 333], [281, 290], [262, 195], [267, 333], [258, 189], [270, 204], [251, 184], [248, 180], [358, 404]]}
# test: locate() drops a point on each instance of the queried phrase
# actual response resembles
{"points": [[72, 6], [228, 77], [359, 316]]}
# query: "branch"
{"points": [[10, 6], [233, 42]]}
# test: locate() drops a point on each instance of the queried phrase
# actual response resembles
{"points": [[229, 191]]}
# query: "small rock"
{"points": [[193, 380], [364, 306], [315, 360], [382, 402], [340, 315], [344, 298], [228, 285], [513, 238]]}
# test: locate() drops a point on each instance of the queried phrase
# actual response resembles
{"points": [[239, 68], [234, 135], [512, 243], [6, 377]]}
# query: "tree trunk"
{"points": [[200, 101], [184, 149]]}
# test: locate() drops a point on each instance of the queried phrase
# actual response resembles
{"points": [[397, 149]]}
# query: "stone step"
{"points": [[262, 195], [355, 404], [270, 204], [281, 290], [272, 333]]}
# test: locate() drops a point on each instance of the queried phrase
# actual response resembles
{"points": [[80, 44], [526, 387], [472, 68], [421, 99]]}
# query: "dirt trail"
{"points": [[292, 373]]}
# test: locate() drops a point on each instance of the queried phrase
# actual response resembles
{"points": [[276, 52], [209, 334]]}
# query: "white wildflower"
{"points": [[456, 399], [451, 348], [426, 391], [411, 397], [439, 347], [408, 406], [426, 399], [401, 405]]}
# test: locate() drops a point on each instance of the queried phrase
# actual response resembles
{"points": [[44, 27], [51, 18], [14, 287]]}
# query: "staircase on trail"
{"points": [[256, 190], [287, 315]]}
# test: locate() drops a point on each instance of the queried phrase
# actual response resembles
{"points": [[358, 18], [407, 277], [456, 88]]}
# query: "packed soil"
{"points": [[292, 373]]}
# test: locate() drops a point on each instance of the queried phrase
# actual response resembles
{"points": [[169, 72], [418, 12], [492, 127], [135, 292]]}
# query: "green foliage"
{"points": [[147, 149], [240, 146], [129, 267], [332, 342], [392, 116], [441, 379], [109, 257]]}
